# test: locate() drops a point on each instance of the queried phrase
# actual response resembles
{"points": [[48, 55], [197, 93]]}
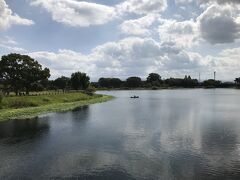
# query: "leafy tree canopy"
{"points": [[110, 82], [80, 81], [20, 71], [153, 77], [134, 82], [62, 82], [237, 81], [211, 83]]}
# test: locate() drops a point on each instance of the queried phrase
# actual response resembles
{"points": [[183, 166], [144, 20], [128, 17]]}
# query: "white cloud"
{"points": [[127, 57], [77, 13], [183, 1], [220, 24], [138, 27], [220, 1], [226, 63], [7, 18], [65, 62], [83, 14], [184, 33], [216, 25], [140, 56], [142, 6], [10, 44], [182, 61]]}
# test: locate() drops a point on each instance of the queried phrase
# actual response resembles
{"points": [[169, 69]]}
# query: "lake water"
{"points": [[167, 134]]}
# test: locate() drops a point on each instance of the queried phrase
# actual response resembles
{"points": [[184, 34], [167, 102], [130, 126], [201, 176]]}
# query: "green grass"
{"points": [[31, 106]]}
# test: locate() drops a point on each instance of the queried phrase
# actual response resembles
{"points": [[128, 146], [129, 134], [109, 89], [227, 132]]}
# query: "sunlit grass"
{"points": [[30, 106]]}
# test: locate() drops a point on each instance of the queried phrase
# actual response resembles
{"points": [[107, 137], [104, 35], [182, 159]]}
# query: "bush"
{"points": [[90, 90]]}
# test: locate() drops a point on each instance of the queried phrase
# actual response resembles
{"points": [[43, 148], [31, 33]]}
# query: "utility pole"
{"points": [[214, 75], [199, 77]]}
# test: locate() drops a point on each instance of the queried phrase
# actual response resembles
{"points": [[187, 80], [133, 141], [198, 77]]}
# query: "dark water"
{"points": [[168, 134]]}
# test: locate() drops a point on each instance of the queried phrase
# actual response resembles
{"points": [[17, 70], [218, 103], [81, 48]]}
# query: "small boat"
{"points": [[135, 97]]}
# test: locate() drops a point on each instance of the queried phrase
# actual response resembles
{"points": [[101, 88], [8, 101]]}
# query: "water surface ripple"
{"points": [[167, 134]]}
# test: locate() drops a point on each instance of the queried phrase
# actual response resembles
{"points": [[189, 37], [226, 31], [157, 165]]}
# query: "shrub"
{"points": [[90, 90]]}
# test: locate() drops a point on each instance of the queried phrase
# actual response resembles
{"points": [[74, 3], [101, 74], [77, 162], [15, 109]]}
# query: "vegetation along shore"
{"points": [[30, 106], [26, 89]]}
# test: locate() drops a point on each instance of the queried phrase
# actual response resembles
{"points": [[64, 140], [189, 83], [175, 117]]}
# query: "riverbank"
{"points": [[161, 88], [32, 106]]}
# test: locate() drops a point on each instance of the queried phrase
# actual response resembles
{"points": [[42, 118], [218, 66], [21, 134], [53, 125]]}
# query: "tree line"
{"points": [[154, 81], [21, 73]]}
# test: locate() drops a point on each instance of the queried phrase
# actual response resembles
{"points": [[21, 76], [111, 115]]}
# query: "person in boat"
{"points": [[135, 97]]}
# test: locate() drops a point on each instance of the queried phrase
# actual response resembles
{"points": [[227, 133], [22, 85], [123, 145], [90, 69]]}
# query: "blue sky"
{"points": [[121, 38]]}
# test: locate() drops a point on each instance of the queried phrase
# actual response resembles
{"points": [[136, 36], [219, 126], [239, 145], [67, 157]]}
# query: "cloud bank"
{"points": [[151, 38]]}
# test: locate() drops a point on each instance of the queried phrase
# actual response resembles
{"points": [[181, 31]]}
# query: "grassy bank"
{"points": [[31, 106]]}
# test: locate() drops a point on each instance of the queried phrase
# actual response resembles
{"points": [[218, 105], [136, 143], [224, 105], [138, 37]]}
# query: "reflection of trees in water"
{"points": [[81, 108], [80, 113], [157, 139], [23, 128]]}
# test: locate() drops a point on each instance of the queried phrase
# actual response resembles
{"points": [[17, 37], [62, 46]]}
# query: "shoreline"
{"points": [[31, 112], [169, 88]]}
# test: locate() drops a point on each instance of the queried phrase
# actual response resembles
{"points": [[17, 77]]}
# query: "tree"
{"points": [[237, 81], [133, 82], [188, 82], [20, 71], [115, 82], [80, 81], [104, 82], [110, 82], [1, 84], [211, 83], [62, 82], [37, 86], [154, 79]]}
